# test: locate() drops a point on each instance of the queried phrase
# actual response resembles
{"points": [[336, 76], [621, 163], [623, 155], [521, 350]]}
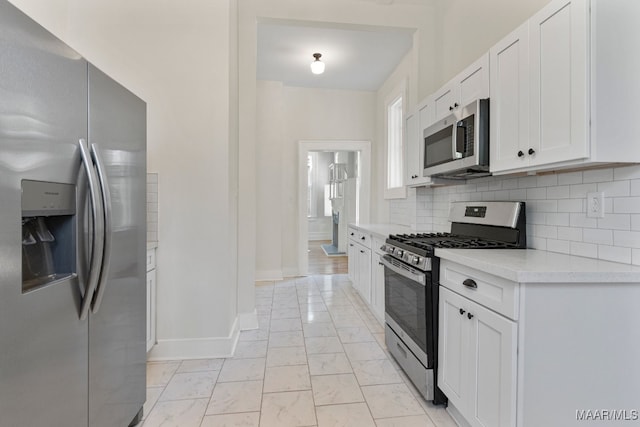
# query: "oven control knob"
{"points": [[399, 252], [415, 260]]}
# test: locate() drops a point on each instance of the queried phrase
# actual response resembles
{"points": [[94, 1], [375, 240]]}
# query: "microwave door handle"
{"points": [[459, 140]]}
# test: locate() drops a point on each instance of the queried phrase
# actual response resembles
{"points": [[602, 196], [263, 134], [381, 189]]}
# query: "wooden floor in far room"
{"points": [[319, 263]]}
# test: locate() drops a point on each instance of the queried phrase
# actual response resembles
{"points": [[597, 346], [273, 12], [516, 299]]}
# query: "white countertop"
{"points": [[383, 230], [533, 266]]}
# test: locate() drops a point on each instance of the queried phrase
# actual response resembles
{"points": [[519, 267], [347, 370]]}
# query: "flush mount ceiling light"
{"points": [[317, 66]]}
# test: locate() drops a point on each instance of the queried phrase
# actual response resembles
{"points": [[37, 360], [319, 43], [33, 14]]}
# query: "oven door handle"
{"points": [[404, 270]]}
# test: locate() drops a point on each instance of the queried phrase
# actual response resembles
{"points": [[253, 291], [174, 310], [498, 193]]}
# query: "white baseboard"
{"points": [[247, 321], [290, 272], [267, 275], [196, 348]]}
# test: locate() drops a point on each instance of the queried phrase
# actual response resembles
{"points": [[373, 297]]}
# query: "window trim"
{"points": [[398, 91]]}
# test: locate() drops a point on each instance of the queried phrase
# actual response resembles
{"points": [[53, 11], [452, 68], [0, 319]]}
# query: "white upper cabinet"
{"points": [[509, 103], [415, 125], [559, 85], [469, 85], [562, 86]]}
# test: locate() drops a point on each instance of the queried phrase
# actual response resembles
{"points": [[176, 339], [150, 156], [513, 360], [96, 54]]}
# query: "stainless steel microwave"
{"points": [[458, 146]]}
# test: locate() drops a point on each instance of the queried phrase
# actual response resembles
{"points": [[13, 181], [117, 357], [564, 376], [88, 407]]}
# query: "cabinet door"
{"points": [[377, 287], [444, 101], [492, 352], [351, 261], [364, 275], [559, 85], [453, 357], [412, 140], [509, 103], [473, 82]]}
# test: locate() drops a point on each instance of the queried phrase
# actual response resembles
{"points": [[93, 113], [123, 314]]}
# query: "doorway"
{"points": [[348, 175]]}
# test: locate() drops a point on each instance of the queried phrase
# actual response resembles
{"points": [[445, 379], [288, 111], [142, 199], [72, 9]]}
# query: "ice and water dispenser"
{"points": [[48, 233]]}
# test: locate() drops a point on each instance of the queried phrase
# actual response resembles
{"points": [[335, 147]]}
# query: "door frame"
{"points": [[364, 201]]}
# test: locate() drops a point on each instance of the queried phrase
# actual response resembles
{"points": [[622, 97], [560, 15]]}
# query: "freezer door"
{"points": [[43, 114], [117, 344]]}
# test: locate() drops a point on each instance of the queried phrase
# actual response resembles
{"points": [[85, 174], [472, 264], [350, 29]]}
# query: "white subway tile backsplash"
{"points": [[559, 192], [626, 172], [614, 253], [570, 178], [615, 222], [152, 207], [528, 182], [571, 205], [589, 250], [545, 231], [597, 175], [556, 210], [615, 188], [560, 218], [537, 193], [561, 246], [626, 205], [579, 191], [627, 239], [510, 183], [581, 220], [573, 234], [594, 235]]}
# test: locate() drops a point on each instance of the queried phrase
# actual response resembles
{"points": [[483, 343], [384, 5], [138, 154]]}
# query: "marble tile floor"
{"points": [[318, 359]]}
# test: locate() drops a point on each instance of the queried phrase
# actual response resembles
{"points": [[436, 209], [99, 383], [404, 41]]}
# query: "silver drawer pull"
{"points": [[470, 283]]}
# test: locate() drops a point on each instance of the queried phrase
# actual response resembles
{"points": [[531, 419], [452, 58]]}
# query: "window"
{"points": [[394, 187]]}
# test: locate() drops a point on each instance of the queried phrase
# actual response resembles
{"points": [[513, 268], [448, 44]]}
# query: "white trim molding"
{"points": [[196, 348], [364, 198]]}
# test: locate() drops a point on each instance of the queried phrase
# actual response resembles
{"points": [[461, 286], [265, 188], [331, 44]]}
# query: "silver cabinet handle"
{"points": [[97, 215], [108, 226]]}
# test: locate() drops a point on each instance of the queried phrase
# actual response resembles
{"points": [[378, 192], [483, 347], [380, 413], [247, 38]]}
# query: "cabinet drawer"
{"points": [[151, 259], [364, 239], [495, 293]]}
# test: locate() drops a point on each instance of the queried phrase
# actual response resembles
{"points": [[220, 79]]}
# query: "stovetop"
{"points": [[474, 225], [426, 241]]}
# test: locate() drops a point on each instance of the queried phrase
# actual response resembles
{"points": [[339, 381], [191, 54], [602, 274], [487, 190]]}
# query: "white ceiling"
{"points": [[356, 57]]}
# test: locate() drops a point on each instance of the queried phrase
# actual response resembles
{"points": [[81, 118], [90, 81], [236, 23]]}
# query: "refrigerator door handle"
{"points": [[108, 227], [97, 245]]}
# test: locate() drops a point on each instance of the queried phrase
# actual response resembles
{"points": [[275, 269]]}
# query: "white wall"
{"points": [[179, 60], [307, 114], [269, 196], [331, 11], [466, 29]]}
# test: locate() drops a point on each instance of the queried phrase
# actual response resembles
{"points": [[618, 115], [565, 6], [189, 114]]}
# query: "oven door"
{"points": [[409, 307]]}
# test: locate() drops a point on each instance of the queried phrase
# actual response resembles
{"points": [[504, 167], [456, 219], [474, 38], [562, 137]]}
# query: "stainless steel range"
{"points": [[411, 281]]}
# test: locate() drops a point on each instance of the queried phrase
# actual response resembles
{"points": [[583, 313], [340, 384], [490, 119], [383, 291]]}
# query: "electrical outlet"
{"points": [[595, 204]]}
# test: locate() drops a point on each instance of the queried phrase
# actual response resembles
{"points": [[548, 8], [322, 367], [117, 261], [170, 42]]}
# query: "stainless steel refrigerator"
{"points": [[72, 236]]}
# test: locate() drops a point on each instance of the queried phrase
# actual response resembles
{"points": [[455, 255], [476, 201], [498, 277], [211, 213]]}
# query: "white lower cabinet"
{"points": [[359, 262], [151, 298], [377, 281], [477, 356], [365, 271]]}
